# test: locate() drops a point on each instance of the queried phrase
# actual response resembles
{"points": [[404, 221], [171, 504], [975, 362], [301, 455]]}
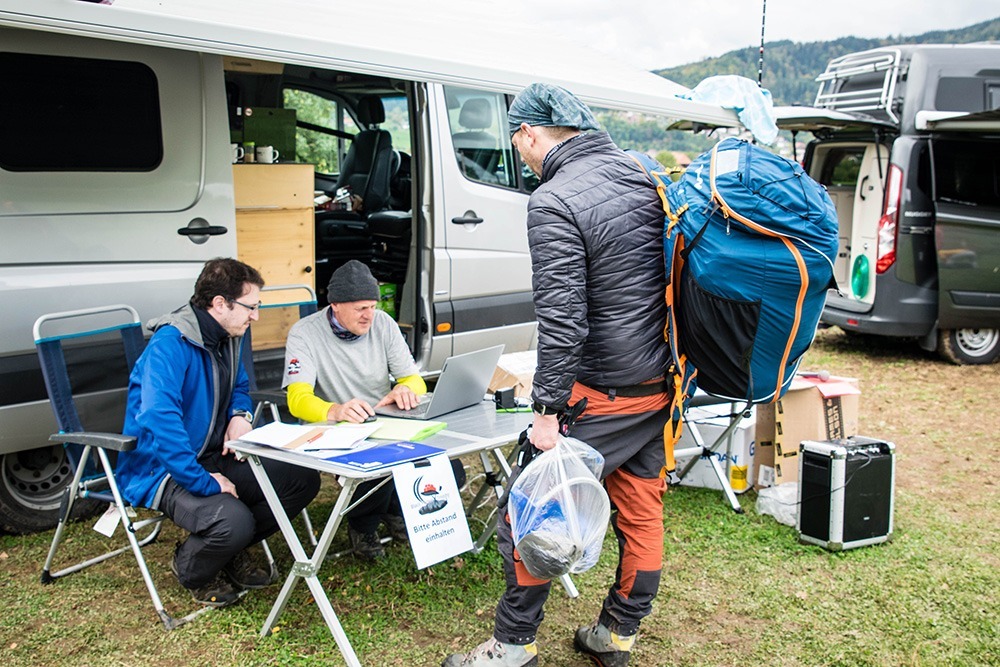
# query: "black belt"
{"points": [[634, 390]]}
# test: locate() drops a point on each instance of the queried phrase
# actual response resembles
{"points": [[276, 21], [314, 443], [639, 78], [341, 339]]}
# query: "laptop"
{"points": [[463, 382]]}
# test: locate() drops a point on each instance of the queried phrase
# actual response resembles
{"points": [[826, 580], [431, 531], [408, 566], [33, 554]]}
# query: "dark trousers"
{"points": [[221, 526], [633, 449]]}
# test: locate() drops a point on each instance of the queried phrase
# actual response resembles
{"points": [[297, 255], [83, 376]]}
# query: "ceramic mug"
{"points": [[266, 154], [238, 152]]}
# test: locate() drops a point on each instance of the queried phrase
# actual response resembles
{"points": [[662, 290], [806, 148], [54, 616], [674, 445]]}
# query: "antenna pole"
{"points": [[760, 60]]}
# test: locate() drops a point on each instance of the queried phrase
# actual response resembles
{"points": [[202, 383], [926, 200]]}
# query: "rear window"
{"points": [[842, 166], [78, 114], [967, 172]]}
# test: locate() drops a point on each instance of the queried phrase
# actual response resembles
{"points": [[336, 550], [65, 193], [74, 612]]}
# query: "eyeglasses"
{"points": [[253, 308]]}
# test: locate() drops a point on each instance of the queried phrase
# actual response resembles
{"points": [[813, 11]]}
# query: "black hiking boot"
{"points": [[246, 571], [216, 593]]}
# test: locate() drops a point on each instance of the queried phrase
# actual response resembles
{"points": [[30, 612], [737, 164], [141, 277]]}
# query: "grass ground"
{"points": [[736, 590]]}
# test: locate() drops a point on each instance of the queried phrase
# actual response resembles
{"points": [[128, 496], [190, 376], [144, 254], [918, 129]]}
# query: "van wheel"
{"points": [[31, 486], [969, 346]]}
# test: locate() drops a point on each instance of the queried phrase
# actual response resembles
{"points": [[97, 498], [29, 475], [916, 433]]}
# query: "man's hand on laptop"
{"points": [[354, 410], [401, 396]]}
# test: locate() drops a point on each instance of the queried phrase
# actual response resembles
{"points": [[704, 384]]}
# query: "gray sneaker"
{"points": [[493, 653], [604, 647], [367, 546]]}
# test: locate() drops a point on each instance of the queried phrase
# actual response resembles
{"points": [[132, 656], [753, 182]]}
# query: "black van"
{"points": [[907, 141]]}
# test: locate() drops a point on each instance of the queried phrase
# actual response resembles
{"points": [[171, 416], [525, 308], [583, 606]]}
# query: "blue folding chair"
{"points": [[91, 453]]}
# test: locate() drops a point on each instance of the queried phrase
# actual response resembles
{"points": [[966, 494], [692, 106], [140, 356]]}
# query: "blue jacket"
{"points": [[172, 404]]}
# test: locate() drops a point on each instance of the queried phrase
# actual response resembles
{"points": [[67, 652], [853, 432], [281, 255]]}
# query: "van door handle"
{"points": [[468, 218], [861, 190], [198, 230], [211, 230]]}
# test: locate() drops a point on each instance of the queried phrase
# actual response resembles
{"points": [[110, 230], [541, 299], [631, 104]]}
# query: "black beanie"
{"points": [[352, 282]]}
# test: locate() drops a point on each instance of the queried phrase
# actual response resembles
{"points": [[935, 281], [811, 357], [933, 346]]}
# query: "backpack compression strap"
{"points": [[796, 255], [679, 370]]}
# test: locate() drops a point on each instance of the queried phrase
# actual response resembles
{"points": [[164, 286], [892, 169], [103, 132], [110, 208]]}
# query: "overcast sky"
{"points": [[654, 34]]}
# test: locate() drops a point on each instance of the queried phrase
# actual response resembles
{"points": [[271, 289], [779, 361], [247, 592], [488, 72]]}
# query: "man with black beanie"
{"points": [[340, 364]]}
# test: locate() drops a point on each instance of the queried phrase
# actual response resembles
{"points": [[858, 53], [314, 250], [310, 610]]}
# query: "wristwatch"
{"points": [[246, 414], [543, 410]]}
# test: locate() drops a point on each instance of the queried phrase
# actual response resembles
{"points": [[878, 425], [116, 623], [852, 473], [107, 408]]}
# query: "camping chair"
{"points": [[270, 401], [701, 449], [91, 453]]}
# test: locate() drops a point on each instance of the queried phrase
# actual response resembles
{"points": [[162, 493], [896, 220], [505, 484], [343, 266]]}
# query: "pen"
{"points": [[314, 438]]}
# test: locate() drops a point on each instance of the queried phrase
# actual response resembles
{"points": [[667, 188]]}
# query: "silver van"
{"points": [[121, 133], [907, 141]]}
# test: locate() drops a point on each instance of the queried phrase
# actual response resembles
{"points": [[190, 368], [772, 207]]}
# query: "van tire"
{"points": [[969, 346], [32, 483]]}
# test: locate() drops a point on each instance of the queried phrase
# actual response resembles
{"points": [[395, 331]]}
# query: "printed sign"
{"points": [[433, 510]]}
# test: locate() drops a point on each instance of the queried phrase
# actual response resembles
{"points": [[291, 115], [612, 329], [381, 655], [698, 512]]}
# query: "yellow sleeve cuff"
{"points": [[414, 382], [304, 404]]}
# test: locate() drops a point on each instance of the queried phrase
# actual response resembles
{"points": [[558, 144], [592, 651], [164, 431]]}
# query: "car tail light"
{"points": [[888, 224]]}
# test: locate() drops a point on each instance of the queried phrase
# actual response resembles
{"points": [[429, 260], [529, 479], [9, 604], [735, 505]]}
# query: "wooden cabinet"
{"points": [[275, 234]]}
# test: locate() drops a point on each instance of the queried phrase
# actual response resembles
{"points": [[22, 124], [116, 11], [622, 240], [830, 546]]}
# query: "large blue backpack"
{"points": [[749, 244]]}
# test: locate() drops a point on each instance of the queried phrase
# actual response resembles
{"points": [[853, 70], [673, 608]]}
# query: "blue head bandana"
{"points": [[545, 105]]}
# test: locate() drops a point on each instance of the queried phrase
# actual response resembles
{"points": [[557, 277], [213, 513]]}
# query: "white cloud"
{"points": [[654, 34]]}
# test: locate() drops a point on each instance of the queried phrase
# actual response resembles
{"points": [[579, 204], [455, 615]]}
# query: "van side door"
{"points": [[479, 228], [967, 230]]}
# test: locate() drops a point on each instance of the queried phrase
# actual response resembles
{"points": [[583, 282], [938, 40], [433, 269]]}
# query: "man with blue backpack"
{"points": [[595, 228]]}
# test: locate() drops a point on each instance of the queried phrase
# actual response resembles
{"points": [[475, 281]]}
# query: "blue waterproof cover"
{"points": [[757, 261]]}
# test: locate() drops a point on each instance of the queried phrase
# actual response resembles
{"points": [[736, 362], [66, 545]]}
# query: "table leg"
{"points": [[305, 567]]}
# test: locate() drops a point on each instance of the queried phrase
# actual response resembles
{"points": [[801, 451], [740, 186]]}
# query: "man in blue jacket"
{"points": [[187, 396]]}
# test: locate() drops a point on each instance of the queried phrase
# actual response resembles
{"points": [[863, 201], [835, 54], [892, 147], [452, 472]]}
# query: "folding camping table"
{"points": [[479, 429]]}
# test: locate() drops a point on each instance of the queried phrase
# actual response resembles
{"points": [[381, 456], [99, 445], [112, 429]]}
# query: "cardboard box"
{"points": [[737, 464], [812, 409], [515, 370]]}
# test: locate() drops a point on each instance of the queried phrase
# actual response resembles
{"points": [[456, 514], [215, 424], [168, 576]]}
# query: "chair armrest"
{"points": [[276, 396], [115, 441]]}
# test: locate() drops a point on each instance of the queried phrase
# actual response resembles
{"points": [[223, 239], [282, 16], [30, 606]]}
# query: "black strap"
{"points": [[635, 390]]}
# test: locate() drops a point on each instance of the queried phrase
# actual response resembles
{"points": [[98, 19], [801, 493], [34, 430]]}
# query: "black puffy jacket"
{"points": [[595, 230]]}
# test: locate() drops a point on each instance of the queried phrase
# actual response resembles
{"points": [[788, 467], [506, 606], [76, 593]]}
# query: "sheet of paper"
{"points": [[340, 437], [392, 428], [108, 522], [304, 437]]}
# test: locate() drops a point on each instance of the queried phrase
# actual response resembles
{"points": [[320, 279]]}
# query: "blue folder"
{"points": [[383, 456]]}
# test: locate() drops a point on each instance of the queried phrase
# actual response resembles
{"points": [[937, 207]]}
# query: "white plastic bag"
{"points": [[781, 502], [559, 510]]}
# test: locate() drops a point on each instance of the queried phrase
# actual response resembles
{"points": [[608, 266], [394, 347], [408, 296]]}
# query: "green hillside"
{"points": [[790, 68], [790, 71]]}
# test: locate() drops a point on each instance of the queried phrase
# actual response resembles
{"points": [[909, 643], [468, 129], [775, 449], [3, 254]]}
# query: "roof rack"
{"points": [[831, 94]]}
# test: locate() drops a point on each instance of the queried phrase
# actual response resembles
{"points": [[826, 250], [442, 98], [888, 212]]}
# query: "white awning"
{"points": [[958, 121], [811, 119], [419, 41]]}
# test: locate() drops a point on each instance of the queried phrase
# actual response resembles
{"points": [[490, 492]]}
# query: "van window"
{"points": [[319, 145], [842, 166], [478, 122], [967, 172], [78, 114], [397, 122]]}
